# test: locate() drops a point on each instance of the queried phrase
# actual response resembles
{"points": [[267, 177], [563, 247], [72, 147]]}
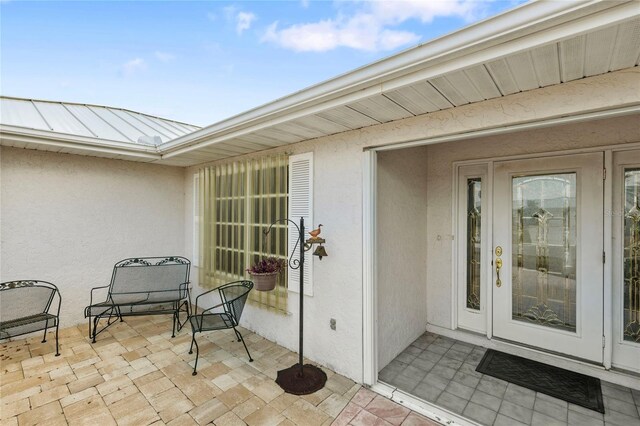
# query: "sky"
{"points": [[203, 61]]}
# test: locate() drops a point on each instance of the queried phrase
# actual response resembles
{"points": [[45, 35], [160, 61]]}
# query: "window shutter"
{"points": [[301, 205]]}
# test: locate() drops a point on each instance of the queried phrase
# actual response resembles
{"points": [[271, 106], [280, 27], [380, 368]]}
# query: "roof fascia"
{"points": [[62, 140]]}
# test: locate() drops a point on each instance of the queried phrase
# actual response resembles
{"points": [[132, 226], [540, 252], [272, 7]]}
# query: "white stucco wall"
{"points": [[67, 219], [338, 163], [401, 250], [337, 279]]}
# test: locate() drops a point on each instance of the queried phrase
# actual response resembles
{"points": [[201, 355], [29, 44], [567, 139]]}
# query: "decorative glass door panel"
{"points": [[544, 250], [474, 240], [626, 260], [631, 260], [472, 247], [547, 269]]}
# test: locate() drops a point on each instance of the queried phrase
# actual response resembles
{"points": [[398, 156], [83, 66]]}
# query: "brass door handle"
{"points": [[498, 265]]}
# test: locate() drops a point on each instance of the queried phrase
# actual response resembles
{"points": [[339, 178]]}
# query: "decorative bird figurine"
{"points": [[316, 232]]}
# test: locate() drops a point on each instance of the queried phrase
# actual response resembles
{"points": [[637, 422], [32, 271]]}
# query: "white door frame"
{"points": [[369, 300]]}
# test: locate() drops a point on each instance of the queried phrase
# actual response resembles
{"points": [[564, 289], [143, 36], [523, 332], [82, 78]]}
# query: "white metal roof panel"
{"points": [[131, 133], [141, 127], [157, 125], [93, 121], [98, 126], [60, 120], [20, 113]]}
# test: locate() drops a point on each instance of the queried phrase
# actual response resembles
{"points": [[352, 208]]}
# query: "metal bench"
{"points": [[143, 286], [224, 315], [27, 306]]}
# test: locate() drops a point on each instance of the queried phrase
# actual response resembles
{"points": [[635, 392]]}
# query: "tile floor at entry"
{"points": [[136, 374], [442, 371]]}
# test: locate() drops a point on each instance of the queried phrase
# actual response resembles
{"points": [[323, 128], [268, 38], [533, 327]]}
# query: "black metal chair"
{"points": [[233, 297], [27, 306]]}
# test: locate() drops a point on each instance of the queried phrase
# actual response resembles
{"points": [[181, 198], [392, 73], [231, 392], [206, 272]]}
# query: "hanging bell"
{"points": [[320, 252]]}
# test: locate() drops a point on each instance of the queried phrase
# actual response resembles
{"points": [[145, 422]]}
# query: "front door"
{"points": [[547, 284]]}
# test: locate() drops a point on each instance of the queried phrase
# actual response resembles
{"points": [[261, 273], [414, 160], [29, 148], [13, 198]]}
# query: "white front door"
{"points": [[626, 260], [548, 240]]}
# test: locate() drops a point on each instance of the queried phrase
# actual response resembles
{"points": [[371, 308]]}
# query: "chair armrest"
{"points": [[203, 294], [212, 308], [95, 288]]}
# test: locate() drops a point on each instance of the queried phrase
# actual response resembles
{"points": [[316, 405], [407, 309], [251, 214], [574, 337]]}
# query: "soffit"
{"points": [[590, 53]]}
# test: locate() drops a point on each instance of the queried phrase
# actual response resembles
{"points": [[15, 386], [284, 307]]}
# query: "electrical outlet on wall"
{"points": [[332, 323]]}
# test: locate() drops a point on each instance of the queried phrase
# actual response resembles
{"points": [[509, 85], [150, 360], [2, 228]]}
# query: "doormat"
{"points": [[562, 384]]}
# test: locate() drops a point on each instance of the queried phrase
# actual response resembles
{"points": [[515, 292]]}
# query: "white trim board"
{"points": [[539, 124]]}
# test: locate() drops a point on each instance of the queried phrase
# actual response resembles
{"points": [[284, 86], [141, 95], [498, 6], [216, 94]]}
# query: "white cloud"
{"points": [[244, 21], [304, 3], [212, 16], [368, 28], [164, 56], [133, 66]]}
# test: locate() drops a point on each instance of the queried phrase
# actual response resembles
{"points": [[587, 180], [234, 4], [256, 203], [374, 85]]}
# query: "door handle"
{"points": [[498, 266]]}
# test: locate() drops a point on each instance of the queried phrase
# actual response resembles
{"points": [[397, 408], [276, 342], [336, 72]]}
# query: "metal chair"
{"points": [[233, 296], [26, 306]]}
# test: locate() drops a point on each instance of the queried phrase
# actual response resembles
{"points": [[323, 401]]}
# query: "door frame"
{"points": [[608, 230], [369, 202]]}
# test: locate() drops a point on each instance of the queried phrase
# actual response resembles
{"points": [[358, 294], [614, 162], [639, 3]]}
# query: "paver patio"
{"points": [[136, 374]]}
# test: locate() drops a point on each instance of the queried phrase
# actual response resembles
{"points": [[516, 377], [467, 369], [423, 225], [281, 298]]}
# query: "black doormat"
{"points": [[562, 384]]}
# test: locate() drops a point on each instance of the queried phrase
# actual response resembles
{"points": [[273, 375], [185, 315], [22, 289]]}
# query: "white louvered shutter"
{"points": [[301, 205]]}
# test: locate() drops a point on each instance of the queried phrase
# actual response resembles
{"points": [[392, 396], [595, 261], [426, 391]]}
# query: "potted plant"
{"points": [[264, 273]]}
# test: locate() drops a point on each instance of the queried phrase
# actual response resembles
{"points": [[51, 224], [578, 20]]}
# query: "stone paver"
{"points": [[137, 374], [442, 371]]}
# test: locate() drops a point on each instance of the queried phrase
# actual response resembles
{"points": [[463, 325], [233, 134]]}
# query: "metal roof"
{"points": [[536, 45], [92, 121]]}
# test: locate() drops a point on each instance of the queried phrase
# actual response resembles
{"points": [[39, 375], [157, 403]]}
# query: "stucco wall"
{"points": [[401, 250], [67, 219], [337, 278], [338, 163]]}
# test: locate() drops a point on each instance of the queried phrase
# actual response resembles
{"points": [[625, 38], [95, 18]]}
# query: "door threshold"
{"points": [[618, 377], [420, 406]]}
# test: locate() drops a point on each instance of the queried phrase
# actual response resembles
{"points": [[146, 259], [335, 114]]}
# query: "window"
{"points": [[238, 202]]}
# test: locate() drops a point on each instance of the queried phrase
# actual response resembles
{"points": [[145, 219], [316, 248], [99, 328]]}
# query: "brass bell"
{"points": [[320, 252]]}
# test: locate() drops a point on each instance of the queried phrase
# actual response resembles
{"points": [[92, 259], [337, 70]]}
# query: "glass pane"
{"points": [[631, 294], [473, 242], [544, 250]]}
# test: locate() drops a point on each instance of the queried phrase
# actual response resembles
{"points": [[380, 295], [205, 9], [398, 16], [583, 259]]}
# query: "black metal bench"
{"points": [[27, 306], [143, 286]]}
